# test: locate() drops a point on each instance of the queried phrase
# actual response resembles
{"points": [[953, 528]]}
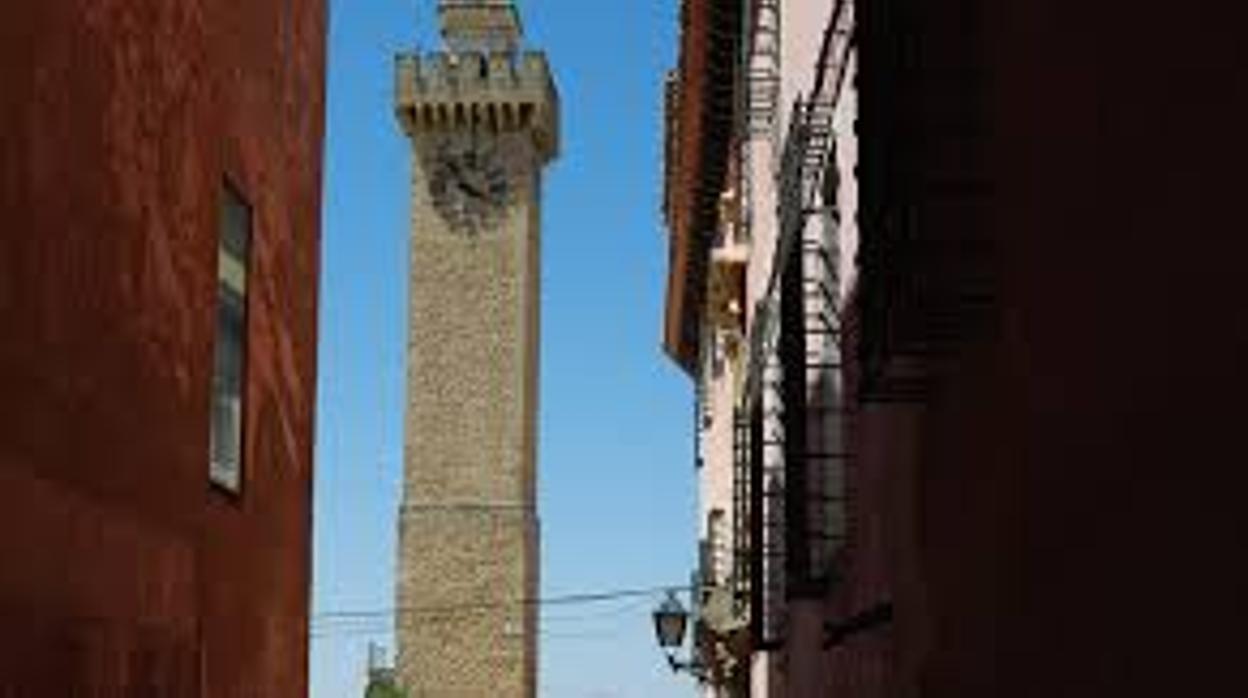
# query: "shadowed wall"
{"points": [[1059, 517]]}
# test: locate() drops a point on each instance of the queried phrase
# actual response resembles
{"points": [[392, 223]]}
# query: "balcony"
{"points": [[730, 256]]}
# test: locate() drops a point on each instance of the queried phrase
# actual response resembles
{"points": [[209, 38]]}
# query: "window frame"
{"points": [[231, 193]]}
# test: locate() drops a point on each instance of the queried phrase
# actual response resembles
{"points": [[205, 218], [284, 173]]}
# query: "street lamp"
{"points": [[670, 619]]}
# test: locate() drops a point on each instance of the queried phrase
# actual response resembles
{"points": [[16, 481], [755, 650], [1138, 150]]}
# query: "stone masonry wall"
{"points": [[468, 528]]}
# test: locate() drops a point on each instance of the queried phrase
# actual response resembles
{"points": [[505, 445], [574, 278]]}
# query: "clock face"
{"points": [[469, 184]]}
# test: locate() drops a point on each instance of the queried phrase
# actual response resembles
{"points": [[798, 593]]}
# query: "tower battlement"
{"points": [[500, 91]]}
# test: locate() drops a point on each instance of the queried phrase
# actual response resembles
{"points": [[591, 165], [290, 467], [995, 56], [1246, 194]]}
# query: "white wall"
{"points": [[801, 34], [715, 480], [847, 160]]}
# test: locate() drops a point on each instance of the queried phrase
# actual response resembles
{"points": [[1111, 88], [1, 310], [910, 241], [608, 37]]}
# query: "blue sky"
{"points": [[616, 474]]}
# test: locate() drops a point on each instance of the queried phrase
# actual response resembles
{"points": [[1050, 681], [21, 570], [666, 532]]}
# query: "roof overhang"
{"points": [[699, 131]]}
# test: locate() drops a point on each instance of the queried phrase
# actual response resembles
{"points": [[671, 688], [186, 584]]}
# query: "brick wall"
{"points": [[118, 124]]}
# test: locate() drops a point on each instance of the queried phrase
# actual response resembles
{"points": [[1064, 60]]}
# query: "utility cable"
{"points": [[564, 600]]}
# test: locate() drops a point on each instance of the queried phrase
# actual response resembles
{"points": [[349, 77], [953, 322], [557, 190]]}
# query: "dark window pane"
{"points": [[235, 225], [229, 354]]}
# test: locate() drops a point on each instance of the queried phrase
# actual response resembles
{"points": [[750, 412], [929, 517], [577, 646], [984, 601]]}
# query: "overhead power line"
{"points": [[565, 600], [379, 626]]}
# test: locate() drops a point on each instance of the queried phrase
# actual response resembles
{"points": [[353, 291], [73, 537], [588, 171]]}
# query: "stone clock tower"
{"points": [[482, 119]]}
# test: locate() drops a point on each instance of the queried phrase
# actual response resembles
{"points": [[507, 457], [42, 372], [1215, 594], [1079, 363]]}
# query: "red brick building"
{"points": [[160, 181]]}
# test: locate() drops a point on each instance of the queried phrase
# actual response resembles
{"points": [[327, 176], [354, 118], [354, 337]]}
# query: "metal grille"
{"points": [[742, 511], [762, 68], [698, 401], [826, 456], [761, 592], [926, 282], [758, 96], [795, 384], [718, 563], [771, 484], [810, 331]]}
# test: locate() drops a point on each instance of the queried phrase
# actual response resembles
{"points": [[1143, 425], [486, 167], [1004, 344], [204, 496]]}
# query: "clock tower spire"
{"points": [[482, 119]]}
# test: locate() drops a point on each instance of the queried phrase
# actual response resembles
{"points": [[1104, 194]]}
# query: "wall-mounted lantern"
{"points": [[670, 621]]}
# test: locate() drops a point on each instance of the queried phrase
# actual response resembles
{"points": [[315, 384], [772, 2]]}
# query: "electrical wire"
{"points": [[450, 609], [378, 626]]}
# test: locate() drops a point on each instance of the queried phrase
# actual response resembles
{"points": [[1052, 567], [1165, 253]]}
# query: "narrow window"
{"points": [[229, 362]]}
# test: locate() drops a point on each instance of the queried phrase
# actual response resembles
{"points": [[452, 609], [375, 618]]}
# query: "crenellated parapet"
{"points": [[499, 91]]}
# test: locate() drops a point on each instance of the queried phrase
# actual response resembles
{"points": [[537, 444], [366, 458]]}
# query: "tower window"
{"points": [[230, 352]]}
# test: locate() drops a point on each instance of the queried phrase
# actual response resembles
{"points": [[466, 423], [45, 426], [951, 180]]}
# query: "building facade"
{"points": [[936, 417], [161, 186], [482, 117], [761, 204]]}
